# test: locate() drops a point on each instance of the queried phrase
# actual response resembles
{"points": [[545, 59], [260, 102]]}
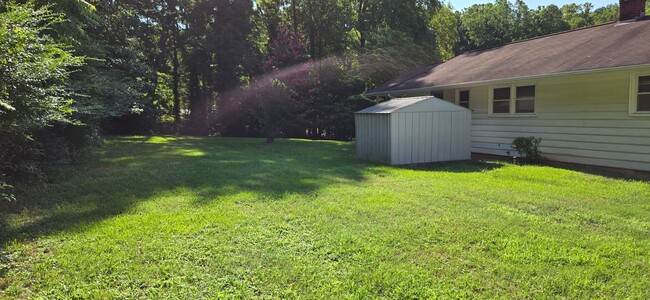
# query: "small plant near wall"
{"points": [[528, 149]]}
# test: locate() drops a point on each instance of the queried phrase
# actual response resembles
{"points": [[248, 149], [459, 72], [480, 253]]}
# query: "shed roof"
{"points": [[599, 47], [412, 104]]}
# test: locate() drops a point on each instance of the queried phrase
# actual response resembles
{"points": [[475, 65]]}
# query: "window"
{"points": [[525, 100], [438, 94], [643, 94], [463, 98], [501, 100], [513, 100]]}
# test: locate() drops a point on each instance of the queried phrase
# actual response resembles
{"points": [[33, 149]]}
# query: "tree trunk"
{"points": [[194, 93], [312, 42], [175, 90], [294, 15], [361, 24]]}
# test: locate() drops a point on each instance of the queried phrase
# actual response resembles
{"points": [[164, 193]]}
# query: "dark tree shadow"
{"points": [[612, 173], [461, 166], [131, 170]]}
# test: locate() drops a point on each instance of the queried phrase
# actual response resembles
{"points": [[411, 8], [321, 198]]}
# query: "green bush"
{"points": [[34, 100], [528, 149]]}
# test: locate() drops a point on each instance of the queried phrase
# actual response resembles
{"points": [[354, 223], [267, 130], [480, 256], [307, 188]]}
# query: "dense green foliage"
{"points": [[204, 67], [191, 218], [528, 149], [34, 69], [493, 24]]}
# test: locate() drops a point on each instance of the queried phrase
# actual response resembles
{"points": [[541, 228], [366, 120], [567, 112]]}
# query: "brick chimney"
{"points": [[631, 9]]}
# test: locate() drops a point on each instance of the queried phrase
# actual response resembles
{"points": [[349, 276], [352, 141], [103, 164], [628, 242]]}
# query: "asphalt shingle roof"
{"points": [[598, 47]]}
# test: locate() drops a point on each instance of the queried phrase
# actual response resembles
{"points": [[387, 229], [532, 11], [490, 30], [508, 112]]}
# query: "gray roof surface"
{"points": [[392, 105], [419, 104], [598, 47]]}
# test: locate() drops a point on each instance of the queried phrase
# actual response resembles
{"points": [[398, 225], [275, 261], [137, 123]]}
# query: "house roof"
{"points": [[604, 46], [412, 104]]}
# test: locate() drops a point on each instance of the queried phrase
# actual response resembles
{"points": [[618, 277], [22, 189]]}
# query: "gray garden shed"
{"points": [[413, 130]]}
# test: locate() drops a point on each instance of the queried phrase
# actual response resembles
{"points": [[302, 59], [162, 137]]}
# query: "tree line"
{"points": [[72, 70]]}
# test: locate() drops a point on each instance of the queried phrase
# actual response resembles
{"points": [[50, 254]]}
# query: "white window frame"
{"points": [[513, 100], [634, 92], [491, 100], [458, 96]]}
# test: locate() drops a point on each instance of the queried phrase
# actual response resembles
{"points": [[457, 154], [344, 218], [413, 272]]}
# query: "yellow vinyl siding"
{"points": [[580, 118]]}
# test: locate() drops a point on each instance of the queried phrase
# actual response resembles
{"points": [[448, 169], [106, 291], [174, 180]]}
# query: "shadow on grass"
{"points": [[609, 172], [612, 173], [464, 166], [131, 170]]}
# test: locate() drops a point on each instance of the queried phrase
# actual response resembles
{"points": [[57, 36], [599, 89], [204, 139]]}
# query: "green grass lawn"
{"points": [[162, 217]]}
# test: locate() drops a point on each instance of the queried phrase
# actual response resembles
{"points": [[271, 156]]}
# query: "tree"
{"points": [[273, 107], [548, 19], [577, 15], [487, 25], [325, 25], [34, 70], [608, 13], [523, 23], [389, 53], [217, 40], [286, 50], [445, 24], [277, 95]]}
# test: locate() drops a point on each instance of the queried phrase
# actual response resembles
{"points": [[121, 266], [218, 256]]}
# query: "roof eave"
{"points": [[496, 81]]}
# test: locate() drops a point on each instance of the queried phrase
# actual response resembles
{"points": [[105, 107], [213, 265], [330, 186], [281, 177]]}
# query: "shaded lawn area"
{"points": [[189, 218]]}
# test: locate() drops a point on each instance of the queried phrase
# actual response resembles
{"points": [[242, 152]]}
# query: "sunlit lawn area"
{"points": [[156, 217]]}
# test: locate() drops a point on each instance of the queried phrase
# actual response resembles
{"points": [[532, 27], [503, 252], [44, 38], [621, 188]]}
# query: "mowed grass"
{"points": [[168, 217]]}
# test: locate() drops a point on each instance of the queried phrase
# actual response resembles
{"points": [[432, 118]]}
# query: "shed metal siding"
{"points": [[373, 137], [430, 137], [413, 130]]}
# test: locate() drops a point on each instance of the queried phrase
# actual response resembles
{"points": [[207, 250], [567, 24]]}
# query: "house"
{"points": [[585, 92]]}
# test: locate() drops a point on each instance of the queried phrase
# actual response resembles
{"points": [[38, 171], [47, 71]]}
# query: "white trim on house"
{"points": [[634, 93], [399, 93]]}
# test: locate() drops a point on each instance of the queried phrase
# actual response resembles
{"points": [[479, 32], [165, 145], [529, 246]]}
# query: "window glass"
{"points": [[463, 99], [501, 100], [525, 106], [502, 94], [644, 84], [526, 92], [464, 95], [525, 99], [643, 99], [501, 107], [643, 103]]}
